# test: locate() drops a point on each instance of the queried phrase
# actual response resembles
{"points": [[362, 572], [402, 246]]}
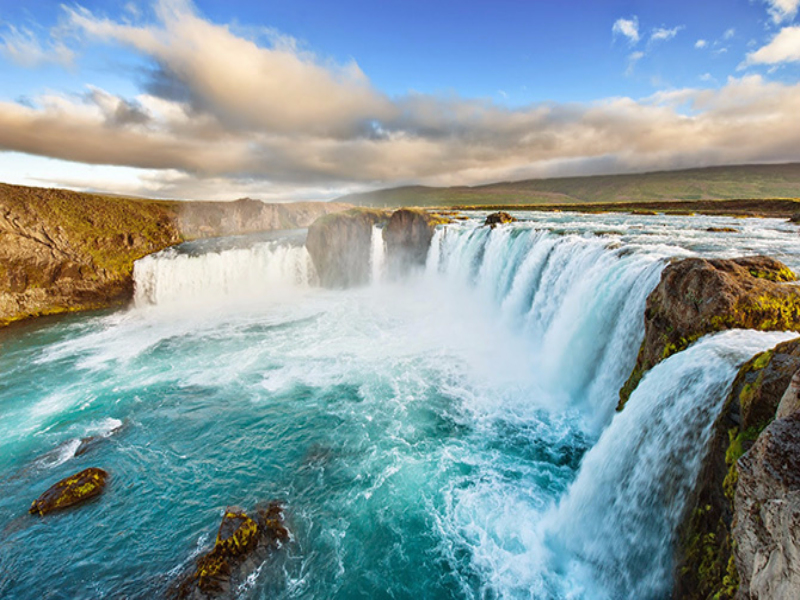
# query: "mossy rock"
{"points": [[704, 558], [240, 537], [696, 297], [498, 218], [70, 491]]}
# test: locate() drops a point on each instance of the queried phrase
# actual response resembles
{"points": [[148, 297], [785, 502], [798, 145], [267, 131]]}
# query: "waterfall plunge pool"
{"points": [[451, 435]]}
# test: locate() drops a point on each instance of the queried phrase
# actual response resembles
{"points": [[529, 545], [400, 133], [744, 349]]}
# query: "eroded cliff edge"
{"points": [[738, 538], [696, 297], [63, 251]]}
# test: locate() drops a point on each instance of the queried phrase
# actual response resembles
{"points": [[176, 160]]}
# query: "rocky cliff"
{"points": [[706, 557], [63, 251], [696, 297], [339, 245], [408, 235]]}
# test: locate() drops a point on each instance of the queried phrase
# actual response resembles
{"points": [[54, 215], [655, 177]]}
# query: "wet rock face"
{"points": [[498, 218], [70, 491], [697, 296], [242, 541], [705, 564], [766, 522], [340, 246], [408, 237]]}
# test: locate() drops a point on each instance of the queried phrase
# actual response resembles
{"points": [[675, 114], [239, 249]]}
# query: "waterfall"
{"points": [[171, 276], [578, 301], [377, 255], [612, 530]]}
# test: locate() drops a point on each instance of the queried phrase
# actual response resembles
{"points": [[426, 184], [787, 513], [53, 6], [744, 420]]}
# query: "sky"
{"points": [[288, 100]]}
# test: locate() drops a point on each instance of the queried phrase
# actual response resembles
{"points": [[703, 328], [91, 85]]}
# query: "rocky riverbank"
{"points": [[63, 251]]}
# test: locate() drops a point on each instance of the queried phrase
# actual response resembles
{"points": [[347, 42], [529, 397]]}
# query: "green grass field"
{"points": [[713, 183]]}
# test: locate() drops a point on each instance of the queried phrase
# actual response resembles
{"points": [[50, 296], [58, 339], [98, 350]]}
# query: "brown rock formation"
{"points": [[498, 218], [70, 491], [766, 522], [215, 219], [240, 537], [340, 245], [63, 251], [705, 563], [697, 296], [408, 237]]}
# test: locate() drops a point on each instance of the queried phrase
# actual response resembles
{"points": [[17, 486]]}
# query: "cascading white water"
{"points": [[579, 301], [612, 532], [172, 277], [377, 255], [465, 414]]}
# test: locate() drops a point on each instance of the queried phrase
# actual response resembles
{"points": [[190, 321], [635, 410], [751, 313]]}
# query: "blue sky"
{"points": [[294, 99]]}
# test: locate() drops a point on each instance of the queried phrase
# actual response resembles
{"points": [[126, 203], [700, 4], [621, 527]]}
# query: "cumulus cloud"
{"points": [[283, 123], [700, 44], [628, 28], [782, 10], [242, 83], [784, 47]]}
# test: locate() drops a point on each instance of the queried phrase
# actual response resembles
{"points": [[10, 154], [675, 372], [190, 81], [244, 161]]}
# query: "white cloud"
{"points": [[700, 44], [729, 34], [784, 47], [662, 34], [633, 58], [782, 10], [285, 124], [628, 28], [23, 47]]}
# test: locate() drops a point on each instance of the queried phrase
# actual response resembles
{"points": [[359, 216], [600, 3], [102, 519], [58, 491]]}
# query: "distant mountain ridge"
{"points": [[708, 183]]}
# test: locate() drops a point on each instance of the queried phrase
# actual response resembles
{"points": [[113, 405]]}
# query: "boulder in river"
{"points": [[241, 537], [70, 491], [498, 218]]}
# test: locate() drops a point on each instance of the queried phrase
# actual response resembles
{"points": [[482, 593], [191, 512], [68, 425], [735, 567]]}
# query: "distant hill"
{"points": [[711, 183]]}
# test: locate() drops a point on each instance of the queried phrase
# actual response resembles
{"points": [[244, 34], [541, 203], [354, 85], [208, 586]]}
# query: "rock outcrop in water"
{"points": [[63, 251], [697, 296], [70, 491], [408, 237], [340, 245], [498, 218], [242, 541], [710, 554]]}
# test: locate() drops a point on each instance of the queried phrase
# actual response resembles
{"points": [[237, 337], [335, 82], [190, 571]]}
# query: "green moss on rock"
{"points": [[239, 538], [705, 564], [70, 491], [696, 297]]}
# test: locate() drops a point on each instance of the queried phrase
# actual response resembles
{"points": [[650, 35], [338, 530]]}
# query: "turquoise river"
{"points": [[449, 435]]}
